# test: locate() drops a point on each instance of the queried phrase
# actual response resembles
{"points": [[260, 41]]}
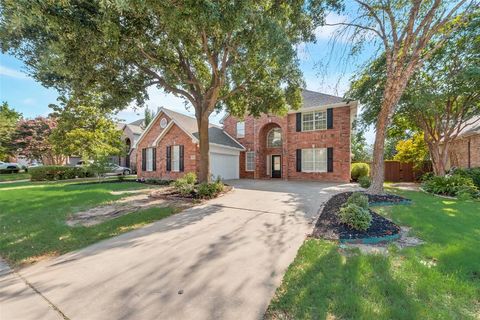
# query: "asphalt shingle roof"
{"points": [[215, 134], [312, 99]]}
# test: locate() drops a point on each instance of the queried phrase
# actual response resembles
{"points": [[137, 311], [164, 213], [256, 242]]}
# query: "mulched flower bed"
{"points": [[328, 225]]}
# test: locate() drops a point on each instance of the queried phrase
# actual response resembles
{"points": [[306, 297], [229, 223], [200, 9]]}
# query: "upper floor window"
{"points": [[274, 138], [315, 120], [240, 129]]}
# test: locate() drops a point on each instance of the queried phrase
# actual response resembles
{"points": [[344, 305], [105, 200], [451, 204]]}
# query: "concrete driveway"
{"points": [[220, 260]]}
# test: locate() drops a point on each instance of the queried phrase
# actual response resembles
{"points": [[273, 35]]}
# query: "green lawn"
{"points": [[33, 216], [14, 176], [437, 280]]}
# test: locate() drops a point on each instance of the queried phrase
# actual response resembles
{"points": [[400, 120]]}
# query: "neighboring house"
{"points": [[465, 150], [131, 133], [312, 143]]}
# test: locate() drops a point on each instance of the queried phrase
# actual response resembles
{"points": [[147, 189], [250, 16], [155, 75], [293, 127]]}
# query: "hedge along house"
{"points": [[169, 148], [312, 143]]}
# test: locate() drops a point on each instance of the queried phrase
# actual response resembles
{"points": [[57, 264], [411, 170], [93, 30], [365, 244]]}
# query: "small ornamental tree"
{"points": [[85, 129], [31, 139], [412, 150], [238, 55]]}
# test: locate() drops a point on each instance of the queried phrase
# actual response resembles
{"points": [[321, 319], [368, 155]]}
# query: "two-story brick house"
{"points": [[312, 143]]}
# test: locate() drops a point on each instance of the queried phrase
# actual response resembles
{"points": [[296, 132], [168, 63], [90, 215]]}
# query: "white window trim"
{"points": [[246, 161], [175, 159], [281, 138], [315, 170], [149, 160], [241, 134], [313, 112]]}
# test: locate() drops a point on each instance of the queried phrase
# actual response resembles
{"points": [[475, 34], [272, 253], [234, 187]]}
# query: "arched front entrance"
{"points": [[271, 156]]}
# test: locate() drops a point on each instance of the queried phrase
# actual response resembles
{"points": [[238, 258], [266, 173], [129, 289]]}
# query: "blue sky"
{"points": [[322, 65]]}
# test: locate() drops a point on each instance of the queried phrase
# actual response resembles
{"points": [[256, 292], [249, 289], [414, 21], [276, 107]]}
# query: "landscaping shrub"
{"points": [[51, 173], [358, 199], [159, 182], [359, 169], [451, 185], [185, 185], [364, 182], [356, 217], [355, 212], [209, 190], [473, 173]]}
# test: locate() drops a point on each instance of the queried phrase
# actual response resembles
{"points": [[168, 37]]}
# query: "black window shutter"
{"points": [[154, 160], [299, 160], [330, 118], [299, 121], [169, 158], [180, 150], [144, 159], [330, 159]]}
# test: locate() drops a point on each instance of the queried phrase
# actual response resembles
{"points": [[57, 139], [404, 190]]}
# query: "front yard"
{"points": [[14, 176], [437, 280], [33, 217]]}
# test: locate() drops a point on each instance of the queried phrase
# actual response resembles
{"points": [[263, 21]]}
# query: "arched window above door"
{"points": [[274, 138]]}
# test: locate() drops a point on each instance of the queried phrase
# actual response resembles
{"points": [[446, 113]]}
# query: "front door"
{"points": [[276, 166]]}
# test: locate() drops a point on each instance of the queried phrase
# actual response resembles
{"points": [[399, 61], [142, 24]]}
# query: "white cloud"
{"points": [[29, 101], [8, 72]]}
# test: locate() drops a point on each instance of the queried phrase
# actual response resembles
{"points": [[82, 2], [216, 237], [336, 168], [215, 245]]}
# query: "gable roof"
{"points": [[188, 124], [313, 99], [139, 122]]}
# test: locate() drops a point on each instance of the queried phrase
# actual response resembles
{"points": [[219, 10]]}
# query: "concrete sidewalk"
{"points": [[221, 260], [20, 301]]}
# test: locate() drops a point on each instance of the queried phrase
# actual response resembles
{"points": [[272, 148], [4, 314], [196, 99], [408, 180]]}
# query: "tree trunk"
{"points": [[378, 149], [439, 158], [204, 169]]}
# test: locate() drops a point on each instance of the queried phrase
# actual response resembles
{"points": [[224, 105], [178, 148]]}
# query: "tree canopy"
{"points": [[84, 129], [238, 55], [8, 123]]}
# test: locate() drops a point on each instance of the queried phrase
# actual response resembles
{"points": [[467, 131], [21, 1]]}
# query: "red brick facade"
{"points": [[465, 152], [174, 136], [255, 139]]}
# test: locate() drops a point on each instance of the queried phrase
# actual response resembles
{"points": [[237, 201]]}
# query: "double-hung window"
{"points": [[149, 166], [240, 129], [315, 120], [176, 158], [314, 160], [250, 161]]}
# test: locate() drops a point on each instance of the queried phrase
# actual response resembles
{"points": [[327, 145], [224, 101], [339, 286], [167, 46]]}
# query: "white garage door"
{"points": [[224, 165]]}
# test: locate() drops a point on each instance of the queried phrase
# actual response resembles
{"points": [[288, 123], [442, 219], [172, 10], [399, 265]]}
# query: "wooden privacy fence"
{"points": [[396, 171]]}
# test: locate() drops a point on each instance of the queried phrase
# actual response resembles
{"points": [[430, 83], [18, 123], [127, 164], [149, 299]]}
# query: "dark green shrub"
{"points": [[159, 182], [473, 173], [359, 170], [185, 185], [451, 185], [364, 182], [209, 190], [358, 199], [356, 217], [51, 173], [427, 176]]}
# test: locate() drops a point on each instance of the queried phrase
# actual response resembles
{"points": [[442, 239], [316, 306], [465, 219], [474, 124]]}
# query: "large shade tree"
{"points": [[214, 54], [441, 98], [404, 31]]}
